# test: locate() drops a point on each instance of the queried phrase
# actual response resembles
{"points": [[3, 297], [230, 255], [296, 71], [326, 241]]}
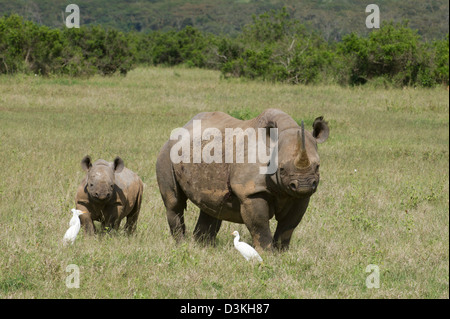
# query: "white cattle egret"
{"points": [[245, 249], [72, 232]]}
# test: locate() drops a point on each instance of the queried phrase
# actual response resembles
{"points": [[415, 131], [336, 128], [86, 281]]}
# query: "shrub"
{"points": [[170, 48], [275, 47], [100, 50], [393, 52], [441, 51], [12, 41], [28, 47]]}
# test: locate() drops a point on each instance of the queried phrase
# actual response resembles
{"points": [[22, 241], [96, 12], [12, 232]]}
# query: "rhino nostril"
{"points": [[314, 185], [96, 194], [293, 186]]}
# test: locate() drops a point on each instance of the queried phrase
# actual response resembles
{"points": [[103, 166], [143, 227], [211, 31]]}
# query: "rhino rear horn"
{"points": [[302, 160]]}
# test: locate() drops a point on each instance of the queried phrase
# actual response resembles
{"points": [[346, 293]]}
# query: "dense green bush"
{"points": [[98, 50], [278, 48], [392, 51], [274, 47], [13, 54], [185, 46], [441, 59], [28, 47]]}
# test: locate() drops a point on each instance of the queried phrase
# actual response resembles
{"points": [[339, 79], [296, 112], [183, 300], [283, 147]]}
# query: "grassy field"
{"points": [[383, 198]]}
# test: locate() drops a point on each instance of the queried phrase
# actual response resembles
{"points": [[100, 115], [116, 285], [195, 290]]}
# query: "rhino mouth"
{"points": [[297, 189], [100, 198], [302, 193]]}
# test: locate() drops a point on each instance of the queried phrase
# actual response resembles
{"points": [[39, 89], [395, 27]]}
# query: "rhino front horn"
{"points": [[302, 160]]}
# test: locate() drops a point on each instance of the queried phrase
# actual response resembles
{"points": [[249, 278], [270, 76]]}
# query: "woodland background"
{"points": [[280, 41]]}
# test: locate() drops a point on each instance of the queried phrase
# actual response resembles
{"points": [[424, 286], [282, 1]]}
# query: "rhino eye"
{"points": [[91, 185], [317, 168]]}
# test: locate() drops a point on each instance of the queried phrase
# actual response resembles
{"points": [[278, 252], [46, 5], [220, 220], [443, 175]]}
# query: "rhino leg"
{"points": [[86, 220], [130, 225], [175, 201], [173, 196], [175, 218], [207, 228], [132, 217], [288, 223], [112, 220], [255, 214]]}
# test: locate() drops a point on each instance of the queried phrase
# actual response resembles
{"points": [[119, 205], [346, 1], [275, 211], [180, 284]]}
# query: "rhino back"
{"points": [[216, 119]]}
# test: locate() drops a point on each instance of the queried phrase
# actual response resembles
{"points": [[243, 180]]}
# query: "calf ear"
{"points": [[118, 164], [320, 130], [86, 163]]}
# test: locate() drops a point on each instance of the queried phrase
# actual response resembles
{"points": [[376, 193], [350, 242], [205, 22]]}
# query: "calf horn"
{"points": [[302, 160]]}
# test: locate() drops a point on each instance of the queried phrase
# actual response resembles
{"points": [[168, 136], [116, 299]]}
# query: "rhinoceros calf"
{"points": [[238, 192], [108, 193]]}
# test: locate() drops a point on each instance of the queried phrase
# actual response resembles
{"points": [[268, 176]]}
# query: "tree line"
{"points": [[272, 48]]}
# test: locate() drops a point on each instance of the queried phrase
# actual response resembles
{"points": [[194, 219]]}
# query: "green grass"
{"points": [[383, 197]]}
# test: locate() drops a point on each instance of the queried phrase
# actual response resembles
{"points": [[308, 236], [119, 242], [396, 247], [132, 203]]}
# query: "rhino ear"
{"points": [[118, 164], [86, 163], [320, 130]]}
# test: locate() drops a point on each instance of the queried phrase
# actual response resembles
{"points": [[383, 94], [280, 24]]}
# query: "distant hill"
{"points": [[334, 18]]}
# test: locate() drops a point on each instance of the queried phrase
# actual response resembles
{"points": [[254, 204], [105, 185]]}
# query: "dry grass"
{"points": [[392, 211]]}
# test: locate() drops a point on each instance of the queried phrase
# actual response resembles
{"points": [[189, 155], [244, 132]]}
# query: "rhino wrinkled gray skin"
{"points": [[237, 192], [108, 193]]}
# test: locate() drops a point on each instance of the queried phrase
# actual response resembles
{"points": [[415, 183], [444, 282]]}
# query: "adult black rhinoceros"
{"points": [[236, 191]]}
